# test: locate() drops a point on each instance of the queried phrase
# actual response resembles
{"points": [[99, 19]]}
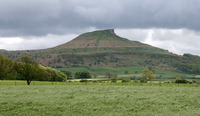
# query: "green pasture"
{"points": [[101, 82], [98, 100], [132, 72]]}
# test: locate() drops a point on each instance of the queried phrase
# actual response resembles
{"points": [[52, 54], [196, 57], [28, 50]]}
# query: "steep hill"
{"points": [[101, 49], [100, 39]]}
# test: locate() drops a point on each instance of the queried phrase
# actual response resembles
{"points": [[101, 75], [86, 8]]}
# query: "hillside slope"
{"points": [[101, 49], [100, 39]]}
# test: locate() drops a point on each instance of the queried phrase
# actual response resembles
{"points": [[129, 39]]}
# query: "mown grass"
{"points": [[98, 100]]}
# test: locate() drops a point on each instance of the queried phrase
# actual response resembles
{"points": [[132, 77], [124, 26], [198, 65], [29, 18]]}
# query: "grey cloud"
{"points": [[40, 17]]}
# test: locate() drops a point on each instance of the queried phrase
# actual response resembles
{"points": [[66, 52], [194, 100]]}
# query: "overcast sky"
{"points": [[36, 24]]}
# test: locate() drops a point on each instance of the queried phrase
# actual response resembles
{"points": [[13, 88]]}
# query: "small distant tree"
{"points": [[85, 74], [136, 72], [147, 75], [82, 75], [113, 79], [126, 72], [95, 75], [68, 73], [110, 75], [178, 77], [115, 75], [150, 68]]}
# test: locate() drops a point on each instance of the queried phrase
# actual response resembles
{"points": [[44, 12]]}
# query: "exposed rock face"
{"points": [[112, 31]]}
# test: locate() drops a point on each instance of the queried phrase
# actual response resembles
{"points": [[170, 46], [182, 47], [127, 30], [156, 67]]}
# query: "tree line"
{"points": [[189, 64], [27, 69]]}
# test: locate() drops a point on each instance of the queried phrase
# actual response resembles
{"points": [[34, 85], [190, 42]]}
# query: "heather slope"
{"points": [[100, 39]]}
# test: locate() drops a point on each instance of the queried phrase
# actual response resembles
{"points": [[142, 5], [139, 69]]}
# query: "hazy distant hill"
{"points": [[103, 49]]}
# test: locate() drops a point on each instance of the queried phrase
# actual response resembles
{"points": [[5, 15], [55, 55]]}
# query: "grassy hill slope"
{"points": [[103, 49]]}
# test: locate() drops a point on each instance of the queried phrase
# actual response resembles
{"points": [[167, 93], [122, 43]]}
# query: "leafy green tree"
{"points": [[83, 74], [109, 75], [60, 76], [28, 68], [147, 75], [68, 73], [6, 68], [53, 74]]}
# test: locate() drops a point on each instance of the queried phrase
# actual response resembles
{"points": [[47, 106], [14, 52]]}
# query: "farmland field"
{"points": [[101, 71], [98, 100]]}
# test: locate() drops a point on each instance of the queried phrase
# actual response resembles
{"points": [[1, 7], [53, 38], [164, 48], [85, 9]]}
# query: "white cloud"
{"points": [[39, 42], [29, 43], [178, 41]]}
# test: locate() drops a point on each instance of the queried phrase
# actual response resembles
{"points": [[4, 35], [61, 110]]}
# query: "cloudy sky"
{"points": [[36, 24]]}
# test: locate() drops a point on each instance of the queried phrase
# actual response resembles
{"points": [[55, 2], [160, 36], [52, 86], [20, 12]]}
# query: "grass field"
{"points": [[103, 82], [101, 71], [98, 100]]}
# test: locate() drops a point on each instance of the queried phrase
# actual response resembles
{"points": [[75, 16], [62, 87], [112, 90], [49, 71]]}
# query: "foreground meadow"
{"points": [[57, 100]]}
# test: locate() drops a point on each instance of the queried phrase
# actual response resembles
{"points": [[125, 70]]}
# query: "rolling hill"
{"points": [[104, 49]]}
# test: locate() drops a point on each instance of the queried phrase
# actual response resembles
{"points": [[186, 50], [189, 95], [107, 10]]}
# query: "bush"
{"points": [[126, 72], [126, 80], [113, 79], [181, 81], [136, 81], [83, 80], [94, 81], [143, 80]]}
